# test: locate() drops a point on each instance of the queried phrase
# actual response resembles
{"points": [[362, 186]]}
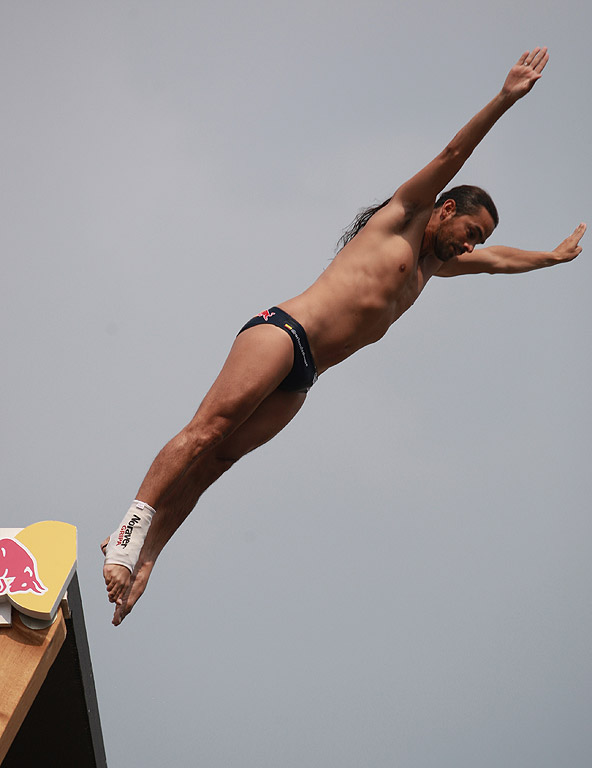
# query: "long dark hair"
{"points": [[359, 223], [467, 197]]}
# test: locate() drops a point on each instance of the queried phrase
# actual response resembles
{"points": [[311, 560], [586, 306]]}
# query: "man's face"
{"points": [[460, 233]]}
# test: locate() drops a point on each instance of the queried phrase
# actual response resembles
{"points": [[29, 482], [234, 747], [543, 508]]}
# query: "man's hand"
{"points": [[570, 248], [501, 259], [419, 192], [525, 73]]}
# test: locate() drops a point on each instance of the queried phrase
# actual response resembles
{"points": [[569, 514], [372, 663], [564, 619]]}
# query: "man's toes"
{"points": [[110, 581], [115, 591], [120, 614], [113, 594]]}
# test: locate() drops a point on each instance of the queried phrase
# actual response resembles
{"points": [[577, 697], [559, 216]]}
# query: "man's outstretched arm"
{"points": [[421, 190], [500, 259]]}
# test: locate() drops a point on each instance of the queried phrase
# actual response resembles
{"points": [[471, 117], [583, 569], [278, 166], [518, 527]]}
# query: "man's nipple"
{"points": [[402, 268]]}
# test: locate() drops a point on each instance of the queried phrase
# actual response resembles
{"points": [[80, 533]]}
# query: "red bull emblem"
{"points": [[266, 314], [18, 569], [36, 565]]}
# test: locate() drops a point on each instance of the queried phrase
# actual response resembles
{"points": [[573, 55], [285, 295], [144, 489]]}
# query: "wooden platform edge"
{"points": [[65, 713], [76, 620], [26, 656]]}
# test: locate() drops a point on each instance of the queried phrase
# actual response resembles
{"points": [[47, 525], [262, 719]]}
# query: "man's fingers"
{"points": [[579, 231], [104, 546], [576, 235], [540, 61], [569, 248], [536, 59]]}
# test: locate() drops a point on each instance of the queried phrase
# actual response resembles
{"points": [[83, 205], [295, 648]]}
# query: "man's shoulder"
{"points": [[398, 216]]}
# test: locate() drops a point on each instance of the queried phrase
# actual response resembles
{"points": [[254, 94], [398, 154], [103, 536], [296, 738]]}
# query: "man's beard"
{"points": [[445, 249]]}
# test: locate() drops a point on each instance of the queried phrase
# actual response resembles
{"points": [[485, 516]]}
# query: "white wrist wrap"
{"points": [[126, 542]]}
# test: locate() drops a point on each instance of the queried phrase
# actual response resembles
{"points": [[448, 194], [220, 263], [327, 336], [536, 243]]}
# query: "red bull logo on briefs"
{"points": [[266, 314]]}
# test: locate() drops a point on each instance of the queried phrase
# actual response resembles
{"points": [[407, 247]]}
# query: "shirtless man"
{"points": [[386, 262]]}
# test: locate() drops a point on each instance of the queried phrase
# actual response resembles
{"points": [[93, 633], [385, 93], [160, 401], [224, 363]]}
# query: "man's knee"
{"points": [[202, 436], [224, 459], [215, 464]]}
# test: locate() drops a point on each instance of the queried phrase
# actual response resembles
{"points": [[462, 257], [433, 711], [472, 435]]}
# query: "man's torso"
{"points": [[367, 287]]}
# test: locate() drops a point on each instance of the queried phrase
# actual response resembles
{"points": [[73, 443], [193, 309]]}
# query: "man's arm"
{"points": [[500, 259], [421, 190]]}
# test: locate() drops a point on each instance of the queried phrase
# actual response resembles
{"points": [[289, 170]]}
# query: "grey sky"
{"points": [[401, 578]]}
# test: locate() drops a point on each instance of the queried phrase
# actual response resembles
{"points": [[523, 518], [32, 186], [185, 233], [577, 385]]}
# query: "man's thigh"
{"points": [[271, 416], [259, 360]]}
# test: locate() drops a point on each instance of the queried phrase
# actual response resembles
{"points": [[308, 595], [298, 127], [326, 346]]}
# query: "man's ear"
{"points": [[447, 209]]}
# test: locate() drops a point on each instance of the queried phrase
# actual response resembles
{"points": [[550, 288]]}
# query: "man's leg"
{"points": [[259, 360], [272, 415]]}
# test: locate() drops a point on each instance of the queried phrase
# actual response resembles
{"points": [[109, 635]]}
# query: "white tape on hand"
{"points": [[126, 542]]}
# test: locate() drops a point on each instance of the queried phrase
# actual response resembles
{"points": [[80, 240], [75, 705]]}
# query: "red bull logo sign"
{"points": [[36, 565], [18, 569]]}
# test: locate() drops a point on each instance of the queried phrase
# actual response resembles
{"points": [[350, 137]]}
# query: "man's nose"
{"points": [[469, 248]]}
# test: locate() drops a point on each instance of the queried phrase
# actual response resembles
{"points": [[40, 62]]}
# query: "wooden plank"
{"points": [[65, 712], [26, 656]]}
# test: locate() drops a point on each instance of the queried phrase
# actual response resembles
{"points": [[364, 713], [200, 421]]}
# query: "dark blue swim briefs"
{"points": [[304, 373]]}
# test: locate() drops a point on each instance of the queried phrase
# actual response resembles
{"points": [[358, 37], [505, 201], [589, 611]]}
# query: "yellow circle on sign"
{"points": [[53, 545]]}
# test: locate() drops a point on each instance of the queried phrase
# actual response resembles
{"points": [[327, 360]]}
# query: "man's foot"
{"points": [[117, 577], [137, 585]]}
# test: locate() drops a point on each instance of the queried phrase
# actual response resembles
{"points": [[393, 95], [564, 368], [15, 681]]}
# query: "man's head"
{"points": [[465, 200], [463, 217]]}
